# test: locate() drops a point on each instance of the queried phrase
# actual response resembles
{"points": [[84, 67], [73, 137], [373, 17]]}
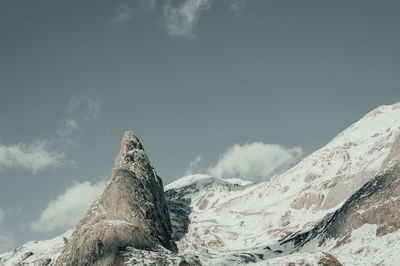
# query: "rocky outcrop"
{"points": [[132, 212], [377, 202]]}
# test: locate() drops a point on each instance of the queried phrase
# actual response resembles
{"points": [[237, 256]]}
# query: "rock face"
{"points": [[132, 212], [377, 203]]}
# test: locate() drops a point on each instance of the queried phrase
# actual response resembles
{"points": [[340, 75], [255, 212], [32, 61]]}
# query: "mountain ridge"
{"points": [[227, 222]]}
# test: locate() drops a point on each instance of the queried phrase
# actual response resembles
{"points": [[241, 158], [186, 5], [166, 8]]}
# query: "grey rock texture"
{"points": [[377, 202], [131, 212]]}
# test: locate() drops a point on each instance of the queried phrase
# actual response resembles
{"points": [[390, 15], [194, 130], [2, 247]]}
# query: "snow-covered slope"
{"points": [[36, 252], [322, 211], [225, 217]]}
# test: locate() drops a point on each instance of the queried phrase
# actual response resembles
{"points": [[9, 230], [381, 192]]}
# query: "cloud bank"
{"points": [[69, 207], [181, 20], [32, 157], [255, 161]]}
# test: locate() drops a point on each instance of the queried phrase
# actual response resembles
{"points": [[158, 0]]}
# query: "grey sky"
{"points": [[189, 81]]}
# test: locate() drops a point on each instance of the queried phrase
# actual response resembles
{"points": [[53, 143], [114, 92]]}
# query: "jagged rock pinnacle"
{"points": [[130, 142], [131, 212]]}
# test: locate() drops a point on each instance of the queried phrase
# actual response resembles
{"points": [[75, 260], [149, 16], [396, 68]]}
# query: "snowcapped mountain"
{"points": [[227, 216], [339, 205]]}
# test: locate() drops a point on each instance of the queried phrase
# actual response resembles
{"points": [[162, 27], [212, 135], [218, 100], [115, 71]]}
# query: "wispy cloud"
{"points": [[69, 207], [86, 107], [125, 13], [80, 110], [41, 154], [122, 15], [7, 241], [255, 161], [237, 6], [71, 124], [33, 157], [147, 5], [194, 166], [180, 17], [181, 20]]}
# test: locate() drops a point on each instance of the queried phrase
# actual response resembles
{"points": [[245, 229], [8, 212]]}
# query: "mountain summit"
{"points": [[131, 212]]}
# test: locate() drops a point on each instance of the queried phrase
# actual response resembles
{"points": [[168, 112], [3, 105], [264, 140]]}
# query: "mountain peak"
{"points": [[131, 212], [133, 158], [129, 142]]}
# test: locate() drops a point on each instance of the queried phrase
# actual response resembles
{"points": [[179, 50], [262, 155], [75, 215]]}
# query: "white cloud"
{"points": [[7, 241], [122, 15], [181, 20], [194, 166], [237, 6], [69, 207], [255, 162], [33, 157], [38, 155]]}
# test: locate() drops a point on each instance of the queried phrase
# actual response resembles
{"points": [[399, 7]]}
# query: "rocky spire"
{"points": [[131, 212]]}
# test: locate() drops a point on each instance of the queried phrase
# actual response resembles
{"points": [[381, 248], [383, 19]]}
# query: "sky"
{"points": [[232, 88]]}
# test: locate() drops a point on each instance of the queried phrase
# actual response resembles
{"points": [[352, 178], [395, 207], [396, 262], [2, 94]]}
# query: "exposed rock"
{"points": [[330, 260], [304, 259], [156, 256], [132, 212], [43, 262], [377, 202], [307, 200]]}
